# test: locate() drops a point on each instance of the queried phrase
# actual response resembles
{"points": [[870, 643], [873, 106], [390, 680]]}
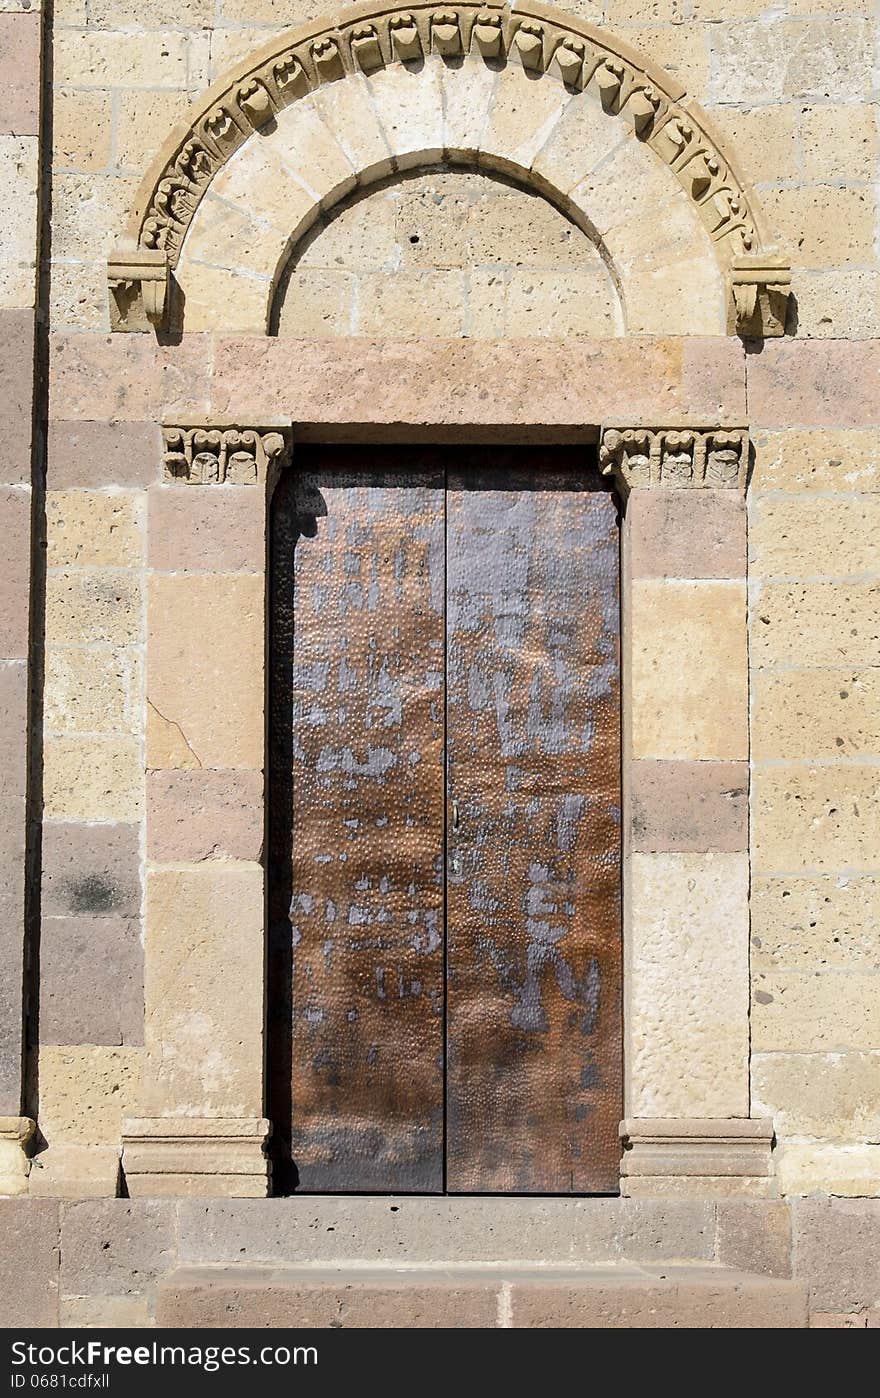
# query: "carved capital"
{"points": [[224, 454], [682, 457], [138, 279], [760, 287]]}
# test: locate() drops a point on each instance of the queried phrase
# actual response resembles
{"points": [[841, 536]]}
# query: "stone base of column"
{"points": [[713, 1158], [210, 1156], [15, 1133]]}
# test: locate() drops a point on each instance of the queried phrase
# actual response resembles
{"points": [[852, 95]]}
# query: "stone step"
{"points": [[618, 1296]]}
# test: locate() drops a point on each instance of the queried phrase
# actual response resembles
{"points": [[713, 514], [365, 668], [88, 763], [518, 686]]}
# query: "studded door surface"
{"points": [[445, 955]]}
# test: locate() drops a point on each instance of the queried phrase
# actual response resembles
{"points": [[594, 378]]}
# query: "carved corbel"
{"points": [[760, 287], [677, 457], [224, 454], [138, 279]]}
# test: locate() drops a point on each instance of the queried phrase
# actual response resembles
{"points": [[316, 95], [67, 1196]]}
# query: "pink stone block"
{"points": [[19, 74]]}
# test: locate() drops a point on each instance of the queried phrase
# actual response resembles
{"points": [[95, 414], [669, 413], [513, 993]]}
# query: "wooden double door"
{"points": [[444, 889]]}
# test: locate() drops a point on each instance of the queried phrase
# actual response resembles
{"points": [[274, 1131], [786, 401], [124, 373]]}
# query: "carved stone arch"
{"points": [[552, 102]]}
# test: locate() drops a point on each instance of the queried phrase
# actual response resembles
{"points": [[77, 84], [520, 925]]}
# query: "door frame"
{"points": [[200, 1127]]}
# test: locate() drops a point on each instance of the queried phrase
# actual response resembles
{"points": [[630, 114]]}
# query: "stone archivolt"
{"points": [[365, 39], [675, 456]]}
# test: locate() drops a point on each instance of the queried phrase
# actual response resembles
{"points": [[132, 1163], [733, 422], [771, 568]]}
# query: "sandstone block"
{"points": [[93, 58], [838, 1251], [355, 125], [815, 817], [75, 1172], [94, 529], [78, 296], [197, 815], [848, 1171], [95, 690], [225, 234], [105, 1313], [92, 779], [466, 104], [205, 687], [20, 74], [838, 139], [766, 133], [803, 714], [87, 607], [91, 870], [356, 237], [815, 623], [682, 49], [809, 537], [814, 921], [84, 1091], [815, 1012], [19, 177], [839, 460], [690, 636], [204, 991], [689, 989], [88, 212], [244, 297], [773, 57], [130, 378], [815, 383], [151, 14], [91, 981], [207, 531], [686, 534], [394, 306], [841, 303], [91, 455], [143, 120], [522, 115], [409, 106], [81, 129], [116, 1247], [827, 224], [317, 304], [29, 1261], [563, 303], [689, 807], [15, 525], [828, 1095]]}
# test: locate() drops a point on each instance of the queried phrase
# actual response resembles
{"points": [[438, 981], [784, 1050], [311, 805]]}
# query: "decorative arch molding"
{"points": [[249, 104]]}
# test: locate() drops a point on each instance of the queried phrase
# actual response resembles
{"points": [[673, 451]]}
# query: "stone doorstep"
{"points": [[620, 1296]]}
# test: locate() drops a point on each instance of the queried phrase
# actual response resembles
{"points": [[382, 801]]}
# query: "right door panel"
{"points": [[533, 1096]]}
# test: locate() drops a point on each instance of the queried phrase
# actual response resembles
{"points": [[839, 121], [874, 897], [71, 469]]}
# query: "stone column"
{"points": [[686, 782], [201, 1128], [20, 42]]}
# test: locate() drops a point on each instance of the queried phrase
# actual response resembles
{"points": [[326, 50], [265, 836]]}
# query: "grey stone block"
{"points": [[91, 870], [754, 1235], [29, 1256], [443, 1230], [116, 1247], [837, 1251], [272, 1298], [91, 981]]}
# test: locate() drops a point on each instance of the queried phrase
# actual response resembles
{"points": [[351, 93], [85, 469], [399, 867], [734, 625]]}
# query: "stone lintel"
{"points": [[15, 1134], [681, 456], [715, 1156], [209, 1156]]}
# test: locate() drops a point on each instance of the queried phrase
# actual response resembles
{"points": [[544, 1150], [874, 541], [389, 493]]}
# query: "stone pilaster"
{"points": [[685, 740], [199, 1127]]}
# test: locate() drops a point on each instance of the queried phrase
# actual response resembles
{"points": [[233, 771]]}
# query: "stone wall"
{"points": [[792, 87]]}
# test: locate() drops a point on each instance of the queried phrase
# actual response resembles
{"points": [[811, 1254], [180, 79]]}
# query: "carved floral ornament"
{"points": [[364, 39], [689, 457], [227, 455]]}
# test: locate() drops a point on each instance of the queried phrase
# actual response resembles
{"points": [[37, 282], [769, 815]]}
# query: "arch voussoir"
{"points": [[537, 95]]}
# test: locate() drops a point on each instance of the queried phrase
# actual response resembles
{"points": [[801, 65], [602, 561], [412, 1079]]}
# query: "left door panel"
{"points": [[357, 796]]}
